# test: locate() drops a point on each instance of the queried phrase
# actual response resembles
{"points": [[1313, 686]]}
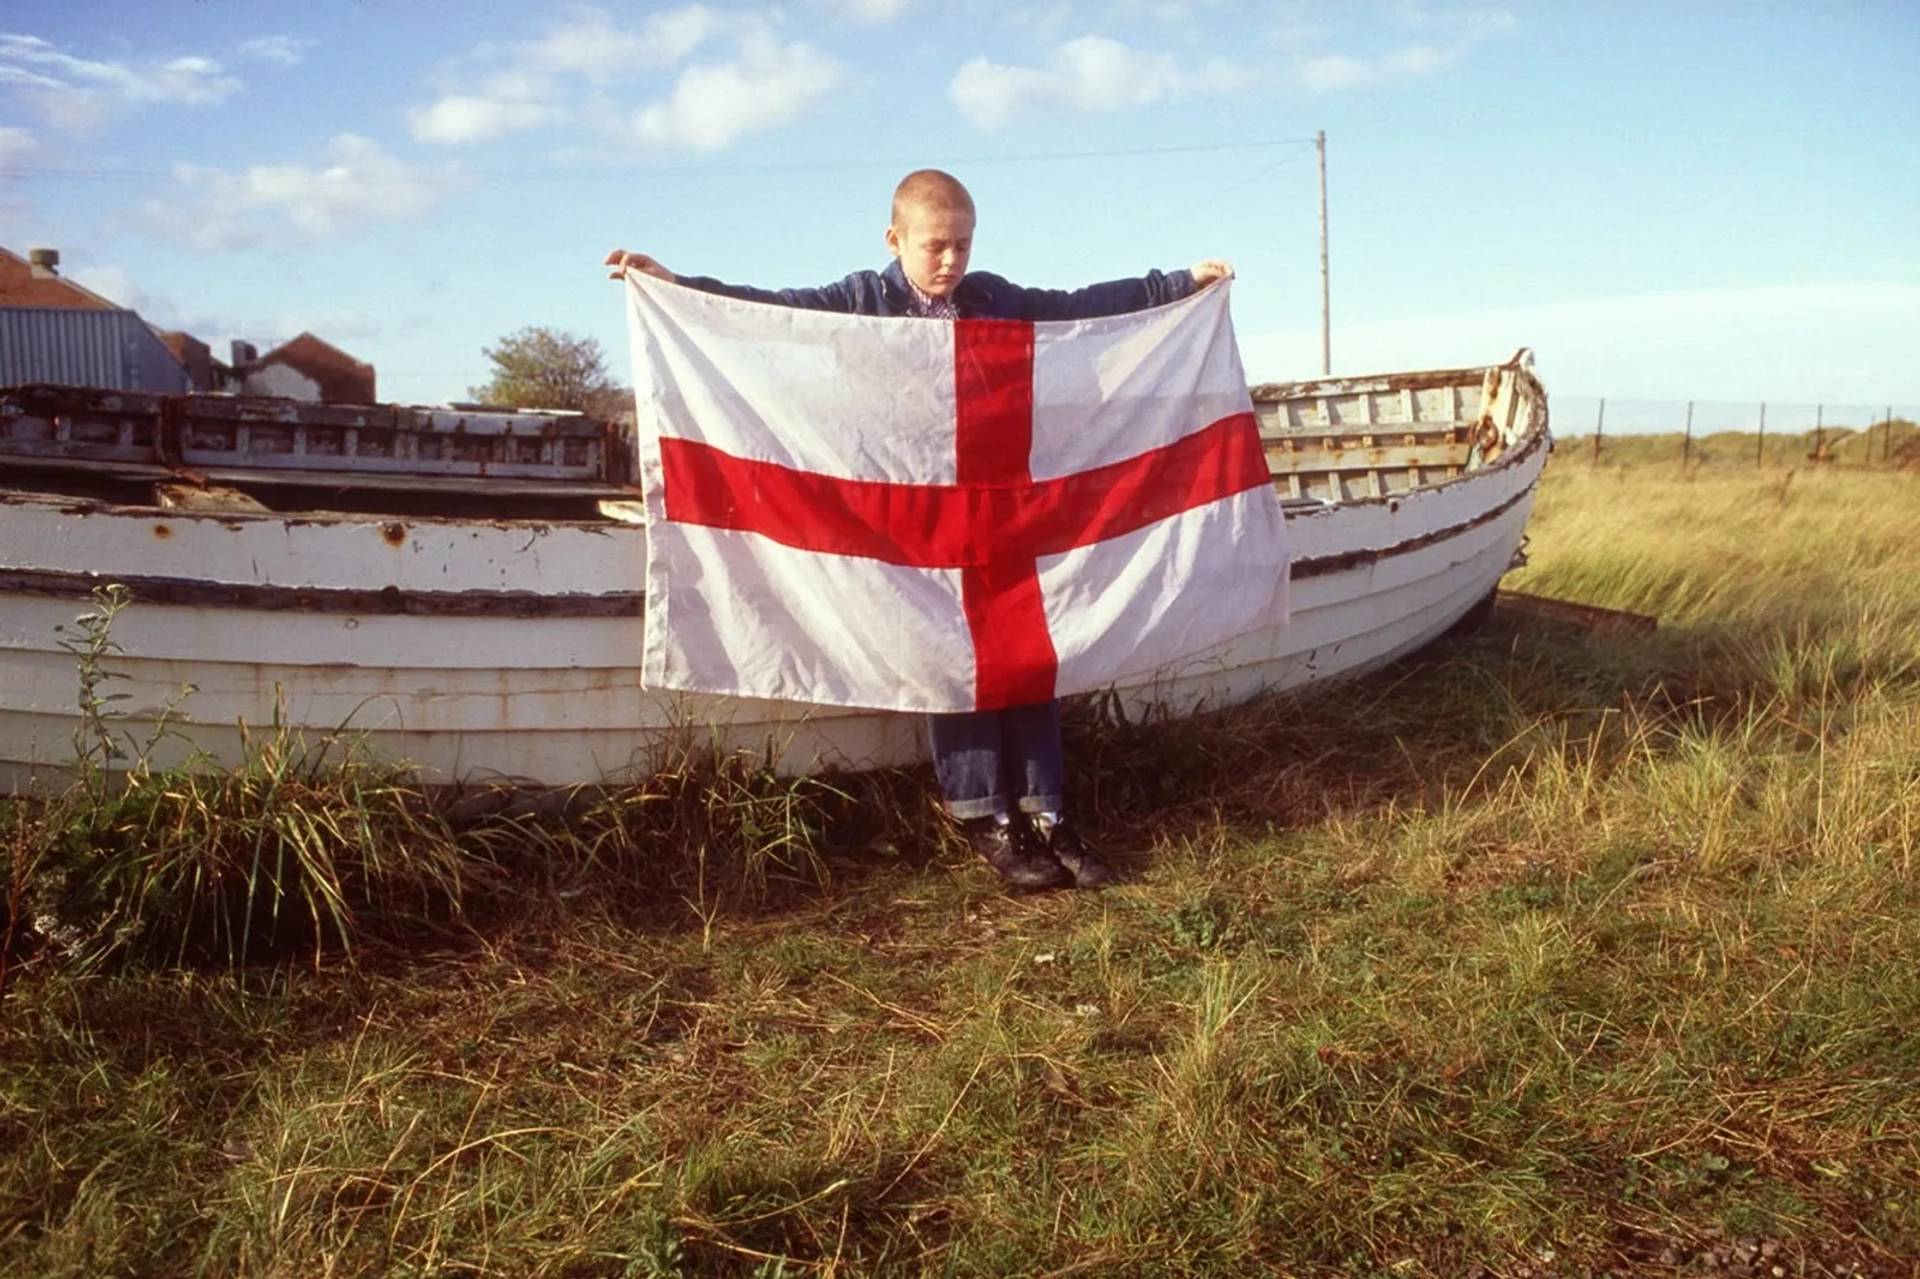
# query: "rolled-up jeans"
{"points": [[995, 761]]}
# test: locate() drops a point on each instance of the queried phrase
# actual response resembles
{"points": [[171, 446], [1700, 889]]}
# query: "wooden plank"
{"points": [[1294, 455]]}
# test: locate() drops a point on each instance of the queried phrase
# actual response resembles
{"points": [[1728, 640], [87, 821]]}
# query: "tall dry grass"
{"points": [[1551, 953]]}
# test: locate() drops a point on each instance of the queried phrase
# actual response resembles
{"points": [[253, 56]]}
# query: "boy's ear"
{"points": [[893, 242]]}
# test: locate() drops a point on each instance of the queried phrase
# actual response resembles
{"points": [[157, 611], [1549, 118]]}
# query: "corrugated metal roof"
{"points": [[111, 349]]}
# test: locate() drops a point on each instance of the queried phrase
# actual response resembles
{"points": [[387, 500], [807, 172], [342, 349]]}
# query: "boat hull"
{"points": [[510, 649]]}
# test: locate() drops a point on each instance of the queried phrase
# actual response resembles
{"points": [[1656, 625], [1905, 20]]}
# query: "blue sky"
{"points": [[1712, 201]]}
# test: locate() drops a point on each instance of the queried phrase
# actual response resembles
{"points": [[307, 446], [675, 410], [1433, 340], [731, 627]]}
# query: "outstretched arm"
{"points": [[1113, 297], [842, 295]]}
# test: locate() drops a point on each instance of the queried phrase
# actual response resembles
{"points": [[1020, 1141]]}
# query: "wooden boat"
{"points": [[465, 587]]}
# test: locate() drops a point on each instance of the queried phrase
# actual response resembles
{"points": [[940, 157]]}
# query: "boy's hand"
{"points": [[1205, 273], [622, 261]]}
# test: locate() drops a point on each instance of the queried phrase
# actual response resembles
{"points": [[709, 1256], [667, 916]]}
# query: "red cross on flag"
{"points": [[944, 515]]}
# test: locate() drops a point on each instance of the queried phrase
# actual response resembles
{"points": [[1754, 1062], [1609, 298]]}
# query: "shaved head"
{"points": [[931, 189], [932, 231]]}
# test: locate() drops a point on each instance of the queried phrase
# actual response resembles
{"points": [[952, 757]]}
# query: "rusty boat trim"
{"points": [[391, 600]]}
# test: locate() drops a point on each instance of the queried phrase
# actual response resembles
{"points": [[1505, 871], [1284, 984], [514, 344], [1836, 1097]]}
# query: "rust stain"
{"points": [[162, 531], [394, 532]]}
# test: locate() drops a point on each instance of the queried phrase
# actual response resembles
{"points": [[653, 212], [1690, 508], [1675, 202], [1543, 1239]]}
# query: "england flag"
{"points": [[944, 515]]}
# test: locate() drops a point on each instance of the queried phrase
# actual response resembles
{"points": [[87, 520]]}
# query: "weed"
{"points": [[94, 746], [297, 848], [1201, 925]]}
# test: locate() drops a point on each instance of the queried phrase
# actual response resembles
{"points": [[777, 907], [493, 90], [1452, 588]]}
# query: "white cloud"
{"points": [[1091, 73], [76, 93], [115, 285], [768, 85], [1182, 17], [1042, 19], [461, 117], [1418, 15], [1177, 15], [16, 144], [218, 330], [591, 45], [510, 87], [869, 12], [575, 72], [361, 184], [286, 51], [1329, 72]]}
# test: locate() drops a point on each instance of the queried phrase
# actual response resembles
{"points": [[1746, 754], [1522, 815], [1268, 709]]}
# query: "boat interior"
{"points": [[1328, 441]]}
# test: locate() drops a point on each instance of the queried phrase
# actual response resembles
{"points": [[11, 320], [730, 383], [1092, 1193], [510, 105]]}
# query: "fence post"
{"points": [[1886, 441], [1598, 422], [1686, 441], [1819, 431], [1760, 444]]}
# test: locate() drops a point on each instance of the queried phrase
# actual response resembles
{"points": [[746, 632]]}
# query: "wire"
{"points": [[1211, 199], [632, 171]]}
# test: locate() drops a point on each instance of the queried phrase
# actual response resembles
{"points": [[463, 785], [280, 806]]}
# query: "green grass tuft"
{"points": [[300, 848]]}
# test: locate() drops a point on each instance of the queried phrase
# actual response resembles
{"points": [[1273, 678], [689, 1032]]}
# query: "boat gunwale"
{"points": [[1536, 433], [192, 592]]}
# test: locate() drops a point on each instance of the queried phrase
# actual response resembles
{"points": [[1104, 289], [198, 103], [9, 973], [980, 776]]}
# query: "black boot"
{"points": [[1010, 848], [1080, 861]]}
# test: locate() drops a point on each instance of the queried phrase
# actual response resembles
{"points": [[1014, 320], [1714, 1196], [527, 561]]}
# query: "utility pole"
{"points": [[1326, 307]]}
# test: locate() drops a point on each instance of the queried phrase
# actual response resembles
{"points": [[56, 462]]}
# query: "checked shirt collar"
{"points": [[926, 306]]}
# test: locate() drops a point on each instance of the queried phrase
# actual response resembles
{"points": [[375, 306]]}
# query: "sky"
{"points": [[1713, 201]]}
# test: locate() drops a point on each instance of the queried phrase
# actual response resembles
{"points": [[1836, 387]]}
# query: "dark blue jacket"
{"points": [[981, 295]]}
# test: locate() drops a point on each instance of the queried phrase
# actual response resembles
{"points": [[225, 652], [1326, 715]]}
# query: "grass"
{"points": [[1546, 954]]}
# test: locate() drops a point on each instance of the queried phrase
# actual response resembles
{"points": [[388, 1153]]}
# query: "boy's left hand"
{"points": [[1205, 273]]}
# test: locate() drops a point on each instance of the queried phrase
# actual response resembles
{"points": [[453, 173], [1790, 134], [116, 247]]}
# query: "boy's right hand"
{"points": [[622, 261], [1205, 273]]}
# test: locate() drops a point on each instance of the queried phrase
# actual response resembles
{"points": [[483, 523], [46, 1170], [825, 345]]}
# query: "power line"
{"points": [[1209, 200], [771, 166]]}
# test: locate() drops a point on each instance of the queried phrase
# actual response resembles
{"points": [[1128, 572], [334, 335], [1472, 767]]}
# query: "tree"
{"points": [[540, 368]]}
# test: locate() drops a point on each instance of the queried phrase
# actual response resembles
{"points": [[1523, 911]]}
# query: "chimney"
{"points": [[45, 263], [244, 353]]}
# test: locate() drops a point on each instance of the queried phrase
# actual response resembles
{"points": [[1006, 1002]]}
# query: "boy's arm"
{"points": [[1114, 297], [841, 295]]}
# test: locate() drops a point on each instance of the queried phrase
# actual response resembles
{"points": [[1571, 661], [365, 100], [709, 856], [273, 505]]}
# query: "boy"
{"points": [[1000, 771]]}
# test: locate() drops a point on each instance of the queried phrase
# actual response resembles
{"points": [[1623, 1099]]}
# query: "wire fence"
{"points": [[1725, 432]]}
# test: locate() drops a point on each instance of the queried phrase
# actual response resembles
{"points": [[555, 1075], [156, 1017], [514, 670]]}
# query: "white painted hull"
{"points": [[557, 699]]}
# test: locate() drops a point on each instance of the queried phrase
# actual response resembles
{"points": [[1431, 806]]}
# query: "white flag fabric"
{"points": [[944, 515]]}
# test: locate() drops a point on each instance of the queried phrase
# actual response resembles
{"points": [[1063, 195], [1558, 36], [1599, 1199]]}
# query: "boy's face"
{"points": [[933, 244]]}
